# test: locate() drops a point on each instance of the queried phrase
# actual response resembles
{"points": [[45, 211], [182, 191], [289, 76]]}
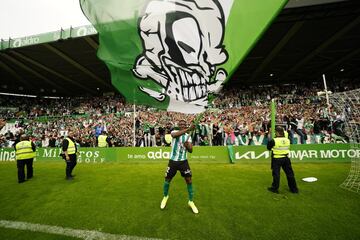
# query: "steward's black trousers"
{"points": [[70, 165], [21, 169], [285, 164]]}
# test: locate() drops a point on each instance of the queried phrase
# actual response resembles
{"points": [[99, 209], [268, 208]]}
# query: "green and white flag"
{"points": [[174, 54]]}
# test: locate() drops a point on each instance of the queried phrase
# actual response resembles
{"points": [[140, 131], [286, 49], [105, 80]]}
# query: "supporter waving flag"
{"points": [[175, 54]]}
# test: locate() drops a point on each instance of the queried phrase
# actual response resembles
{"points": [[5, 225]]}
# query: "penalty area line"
{"points": [[70, 232]]}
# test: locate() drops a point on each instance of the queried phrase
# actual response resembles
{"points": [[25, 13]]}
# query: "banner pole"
{"points": [[326, 93], [273, 114], [328, 104], [134, 126]]}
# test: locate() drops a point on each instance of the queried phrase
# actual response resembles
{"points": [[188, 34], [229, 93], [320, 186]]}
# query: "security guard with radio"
{"points": [[69, 154], [103, 140], [25, 153], [280, 147]]}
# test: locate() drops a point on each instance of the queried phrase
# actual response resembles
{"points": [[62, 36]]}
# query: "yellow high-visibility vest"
{"points": [[23, 150], [281, 148], [286, 134], [71, 147], [102, 141]]}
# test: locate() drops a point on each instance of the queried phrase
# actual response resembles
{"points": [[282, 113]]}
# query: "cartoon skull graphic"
{"points": [[182, 45]]}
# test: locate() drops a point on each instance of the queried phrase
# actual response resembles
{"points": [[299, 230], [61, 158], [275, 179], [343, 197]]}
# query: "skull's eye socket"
{"points": [[185, 47], [183, 38]]}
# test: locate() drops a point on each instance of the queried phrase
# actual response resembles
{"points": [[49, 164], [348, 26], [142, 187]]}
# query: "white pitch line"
{"points": [[84, 234]]}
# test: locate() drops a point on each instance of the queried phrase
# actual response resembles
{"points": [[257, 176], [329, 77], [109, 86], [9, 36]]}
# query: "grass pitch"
{"points": [[124, 198]]}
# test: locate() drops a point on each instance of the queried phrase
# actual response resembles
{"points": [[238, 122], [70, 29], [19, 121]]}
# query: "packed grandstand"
{"points": [[236, 117]]}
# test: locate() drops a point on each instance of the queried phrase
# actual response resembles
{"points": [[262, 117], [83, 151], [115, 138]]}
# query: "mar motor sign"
{"points": [[306, 152]]}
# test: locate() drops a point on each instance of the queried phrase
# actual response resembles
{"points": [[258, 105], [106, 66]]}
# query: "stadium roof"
{"points": [[301, 44]]}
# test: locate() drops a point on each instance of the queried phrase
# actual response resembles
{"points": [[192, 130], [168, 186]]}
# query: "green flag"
{"points": [[174, 54]]}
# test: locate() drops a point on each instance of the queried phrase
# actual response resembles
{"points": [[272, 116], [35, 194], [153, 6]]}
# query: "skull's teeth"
{"points": [[186, 93], [192, 93], [183, 78], [193, 84], [198, 91], [189, 78], [203, 90], [196, 79]]}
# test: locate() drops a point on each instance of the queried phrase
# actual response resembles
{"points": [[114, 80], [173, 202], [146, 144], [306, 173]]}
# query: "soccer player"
{"points": [[180, 145]]}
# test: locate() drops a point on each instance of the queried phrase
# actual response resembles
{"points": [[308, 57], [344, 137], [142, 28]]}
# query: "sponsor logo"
{"points": [[54, 153], [83, 31], [252, 155], [51, 153], [351, 153], [90, 157], [56, 36], [158, 154], [19, 42], [83, 156], [304, 154], [7, 156]]}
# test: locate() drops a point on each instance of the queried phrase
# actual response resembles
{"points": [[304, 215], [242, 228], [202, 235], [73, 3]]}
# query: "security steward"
{"points": [[280, 147], [104, 140], [25, 153], [69, 154]]}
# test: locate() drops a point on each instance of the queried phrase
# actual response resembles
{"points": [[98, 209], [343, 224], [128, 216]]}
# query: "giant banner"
{"points": [[174, 54], [301, 153]]}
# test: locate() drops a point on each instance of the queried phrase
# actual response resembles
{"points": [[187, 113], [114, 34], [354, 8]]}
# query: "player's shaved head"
{"points": [[182, 124]]}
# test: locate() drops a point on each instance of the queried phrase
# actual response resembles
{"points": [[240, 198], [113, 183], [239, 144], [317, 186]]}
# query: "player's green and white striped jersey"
{"points": [[178, 150]]}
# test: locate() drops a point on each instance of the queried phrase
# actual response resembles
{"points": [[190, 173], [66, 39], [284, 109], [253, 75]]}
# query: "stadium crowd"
{"points": [[240, 117]]}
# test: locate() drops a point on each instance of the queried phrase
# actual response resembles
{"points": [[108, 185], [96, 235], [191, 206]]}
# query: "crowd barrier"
{"points": [[299, 153]]}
